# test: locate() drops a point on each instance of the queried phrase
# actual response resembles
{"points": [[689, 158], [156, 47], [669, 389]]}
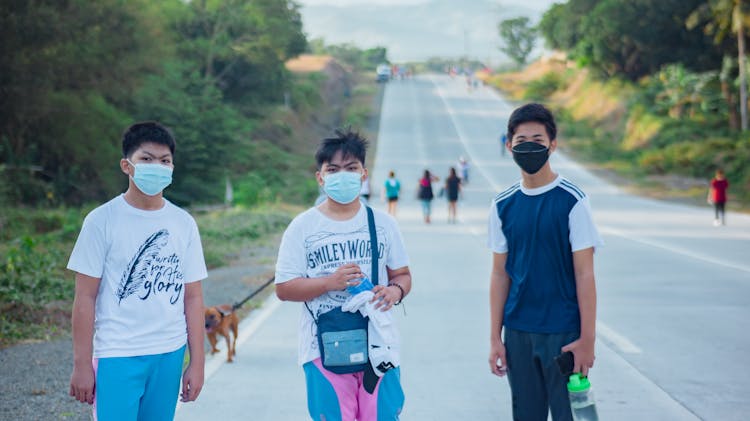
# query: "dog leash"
{"points": [[235, 306]]}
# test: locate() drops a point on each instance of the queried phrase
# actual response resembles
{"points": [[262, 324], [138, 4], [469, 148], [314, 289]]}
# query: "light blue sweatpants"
{"points": [[141, 388]]}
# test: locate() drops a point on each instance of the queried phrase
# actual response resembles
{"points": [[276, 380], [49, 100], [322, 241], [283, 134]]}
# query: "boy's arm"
{"points": [[305, 289], [583, 347], [192, 380], [82, 380], [499, 286]]}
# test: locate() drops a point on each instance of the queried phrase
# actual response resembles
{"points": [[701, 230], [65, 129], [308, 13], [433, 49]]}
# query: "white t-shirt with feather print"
{"points": [[144, 259]]}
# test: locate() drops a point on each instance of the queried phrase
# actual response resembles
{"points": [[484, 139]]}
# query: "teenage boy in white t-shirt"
{"points": [[138, 300], [327, 249]]}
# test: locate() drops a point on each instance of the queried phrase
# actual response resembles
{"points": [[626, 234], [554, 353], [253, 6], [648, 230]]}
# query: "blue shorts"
{"points": [[345, 397], [142, 388]]}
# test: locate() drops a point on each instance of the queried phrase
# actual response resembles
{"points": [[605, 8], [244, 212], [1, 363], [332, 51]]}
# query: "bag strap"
{"points": [[373, 246], [373, 251]]}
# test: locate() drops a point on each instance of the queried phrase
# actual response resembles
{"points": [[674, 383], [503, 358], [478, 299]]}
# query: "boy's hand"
{"points": [[345, 275], [385, 297], [82, 383], [192, 382], [583, 355], [497, 353]]}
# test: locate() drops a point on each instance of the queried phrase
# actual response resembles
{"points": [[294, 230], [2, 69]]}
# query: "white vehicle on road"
{"points": [[383, 72]]}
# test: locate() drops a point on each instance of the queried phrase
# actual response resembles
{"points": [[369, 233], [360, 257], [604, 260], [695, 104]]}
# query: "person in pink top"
{"points": [[717, 195]]}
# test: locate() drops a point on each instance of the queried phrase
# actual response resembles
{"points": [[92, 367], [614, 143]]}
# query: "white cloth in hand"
{"points": [[382, 336]]}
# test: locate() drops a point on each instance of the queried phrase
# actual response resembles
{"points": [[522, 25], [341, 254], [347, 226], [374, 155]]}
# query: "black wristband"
{"points": [[393, 284]]}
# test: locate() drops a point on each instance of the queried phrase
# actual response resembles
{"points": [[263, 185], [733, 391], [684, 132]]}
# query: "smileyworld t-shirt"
{"points": [[314, 245], [540, 229], [144, 259]]}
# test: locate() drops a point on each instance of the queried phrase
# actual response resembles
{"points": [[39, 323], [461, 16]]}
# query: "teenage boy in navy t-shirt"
{"points": [[542, 288]]}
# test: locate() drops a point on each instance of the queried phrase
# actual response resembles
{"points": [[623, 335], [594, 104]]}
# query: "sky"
{"points": [[414, 30]]}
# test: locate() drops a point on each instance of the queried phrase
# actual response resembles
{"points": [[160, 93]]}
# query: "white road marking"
{"points": [[248, 326], [673, 249], [616, 339], [462, 137]]}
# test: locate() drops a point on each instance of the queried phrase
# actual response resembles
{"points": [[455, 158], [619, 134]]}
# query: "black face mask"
{"points": [[530, 156]]}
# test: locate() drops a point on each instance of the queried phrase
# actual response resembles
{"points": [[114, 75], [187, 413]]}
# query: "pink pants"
{"points": [[344, 397]]}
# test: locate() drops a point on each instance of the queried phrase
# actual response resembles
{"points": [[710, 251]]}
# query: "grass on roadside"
{"points": [[36, 291]]}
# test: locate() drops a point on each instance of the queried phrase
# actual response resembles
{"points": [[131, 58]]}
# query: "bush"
{"points": [[357, 115], [18, 222], [695, 159], [32, 275], [543, 88], [251, 190], [224, 233], [305, 91]]}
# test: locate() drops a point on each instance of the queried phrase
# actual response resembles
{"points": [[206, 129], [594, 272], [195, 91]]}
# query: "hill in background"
{"points": [[416, 32]]}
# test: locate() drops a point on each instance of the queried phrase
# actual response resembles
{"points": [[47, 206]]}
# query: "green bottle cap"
{"points": [[578, 383]]}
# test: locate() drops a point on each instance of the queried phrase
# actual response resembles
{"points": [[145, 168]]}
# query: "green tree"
{"points": [[519, 38], [561, 23], [637, 37], [207, 130], [630, 38], [242, 45], [723, 18], [68, 69], [374, 56]]}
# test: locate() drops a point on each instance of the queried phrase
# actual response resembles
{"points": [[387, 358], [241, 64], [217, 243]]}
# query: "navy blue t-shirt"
{"points": [[536, 227]]}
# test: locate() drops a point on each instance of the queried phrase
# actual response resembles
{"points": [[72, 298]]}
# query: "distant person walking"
{"points": [[717, 195], [425, 194], [391, 188], [542, 287], [452, 190], [503, 141], [463, 170]]}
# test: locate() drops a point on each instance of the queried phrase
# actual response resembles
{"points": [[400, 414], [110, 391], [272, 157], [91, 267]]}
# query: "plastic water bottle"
{"points": [[364, 285], [581, 398]]}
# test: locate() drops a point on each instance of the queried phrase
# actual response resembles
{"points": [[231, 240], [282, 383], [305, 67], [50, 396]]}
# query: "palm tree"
{"points": [[722, 18]]}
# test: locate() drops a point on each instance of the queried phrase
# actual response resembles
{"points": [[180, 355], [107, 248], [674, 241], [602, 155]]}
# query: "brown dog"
{"points": [[222, 319]]}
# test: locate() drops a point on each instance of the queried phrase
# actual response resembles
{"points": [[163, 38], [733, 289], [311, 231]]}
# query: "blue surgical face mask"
{"points": [[343, 186], [151, 179]]}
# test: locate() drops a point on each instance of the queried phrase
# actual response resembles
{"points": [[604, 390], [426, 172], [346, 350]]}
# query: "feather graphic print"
{"points": [[138, 268]]}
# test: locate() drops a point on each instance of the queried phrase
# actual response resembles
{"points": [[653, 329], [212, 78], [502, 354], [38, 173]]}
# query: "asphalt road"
{"points": [[673, 290]]}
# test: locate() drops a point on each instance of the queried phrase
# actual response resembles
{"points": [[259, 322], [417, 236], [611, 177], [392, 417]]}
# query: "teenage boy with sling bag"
{"points": [[325, 250]]}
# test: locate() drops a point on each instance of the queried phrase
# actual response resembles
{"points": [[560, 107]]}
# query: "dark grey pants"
{"points": [[536, 384]]}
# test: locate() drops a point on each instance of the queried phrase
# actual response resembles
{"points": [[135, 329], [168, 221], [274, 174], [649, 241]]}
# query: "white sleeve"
{"points": [[90, 250], [496, 240], [583, 232], [194, 263], [397, 258], [291, 261]]}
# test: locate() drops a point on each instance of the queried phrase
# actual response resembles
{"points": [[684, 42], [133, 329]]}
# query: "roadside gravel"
{"points": [[34, 376]]}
